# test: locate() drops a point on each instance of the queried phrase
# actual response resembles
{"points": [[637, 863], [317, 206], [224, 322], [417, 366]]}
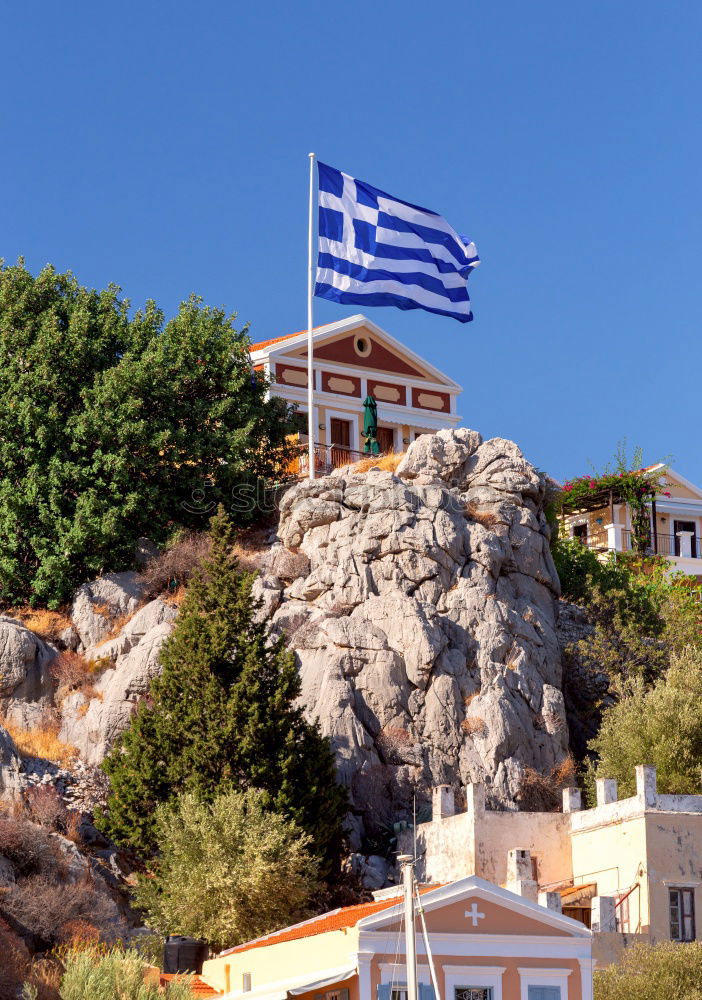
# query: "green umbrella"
{"points": [[370, 426]]}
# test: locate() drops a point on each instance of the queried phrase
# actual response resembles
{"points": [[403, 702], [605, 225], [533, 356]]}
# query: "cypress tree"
{"points": [[222, 714]]}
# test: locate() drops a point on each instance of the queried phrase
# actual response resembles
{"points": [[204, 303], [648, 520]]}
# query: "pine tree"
{"points": [[222, 715]]}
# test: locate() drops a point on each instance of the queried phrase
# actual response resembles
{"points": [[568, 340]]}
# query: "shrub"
{"points": [[46, 907], [228, 871], [649, 972], [70, 670], [28, 847], [47, 624], [661, 726], [485, 517], [45, 806], [14, 962], [474, 725], [174, 567], [113, 975], [542, 792]]}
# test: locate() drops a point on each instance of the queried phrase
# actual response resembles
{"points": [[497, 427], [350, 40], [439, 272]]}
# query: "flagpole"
{"points": [[310, 297]]}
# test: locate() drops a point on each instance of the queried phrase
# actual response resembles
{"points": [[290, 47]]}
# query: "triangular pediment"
{"points": [[680, 487], [475, 907], [358, 344]]}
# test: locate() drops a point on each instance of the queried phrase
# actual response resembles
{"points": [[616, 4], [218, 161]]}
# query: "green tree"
{"points": [[649, 972], [227, 871], [112, 428], [224, 712], [661, 725], [112, 975]]}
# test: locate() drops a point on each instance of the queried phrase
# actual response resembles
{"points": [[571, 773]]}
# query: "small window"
{"points": [[246, 982], [473, 993], [544, 993], [681, 904], [362, 345]]}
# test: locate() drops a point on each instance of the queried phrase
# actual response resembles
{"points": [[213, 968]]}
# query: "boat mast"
{"points": [[406, 862]]}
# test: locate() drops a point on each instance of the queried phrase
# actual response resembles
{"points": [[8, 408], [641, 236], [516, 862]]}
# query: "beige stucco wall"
{"points": [[611, 855], [478, 843], [282, 961], [674, 859]]}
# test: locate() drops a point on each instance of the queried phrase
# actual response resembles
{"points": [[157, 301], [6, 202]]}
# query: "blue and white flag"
{"points": [[376, 250]]}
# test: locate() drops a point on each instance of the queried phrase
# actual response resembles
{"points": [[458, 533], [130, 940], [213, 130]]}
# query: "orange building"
{"points": [[354, 358], [487, 944]]}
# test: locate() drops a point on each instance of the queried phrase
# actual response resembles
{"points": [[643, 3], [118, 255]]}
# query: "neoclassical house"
{"points": [[603, 522], [354, 358]]}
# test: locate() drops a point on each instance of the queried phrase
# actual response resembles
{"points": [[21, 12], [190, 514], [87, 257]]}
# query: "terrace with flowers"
{"points": [[649, 511]]}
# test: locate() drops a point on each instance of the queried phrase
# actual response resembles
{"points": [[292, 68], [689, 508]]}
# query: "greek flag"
{"points": [[376, 250]]}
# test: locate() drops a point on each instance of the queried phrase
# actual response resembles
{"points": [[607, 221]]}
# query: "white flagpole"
{"points": [[310, 296]]}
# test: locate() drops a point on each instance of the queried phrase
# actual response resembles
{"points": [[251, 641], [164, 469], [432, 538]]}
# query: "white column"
{"points": [[646, 785], [406, 862], [586, 970], [365, 982], [614, 537], [685, 539]]}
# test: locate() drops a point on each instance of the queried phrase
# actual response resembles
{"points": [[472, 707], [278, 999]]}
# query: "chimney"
{"points": [[606, 791], [646, 785], [475, 799], [603, 917], [442, 803], [572, 799], [551, 900], [520, 876]]}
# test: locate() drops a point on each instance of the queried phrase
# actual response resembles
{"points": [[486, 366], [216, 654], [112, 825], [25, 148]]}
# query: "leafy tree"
{"points": [[112, 428], [224, 712], [227, 871], [649, 972], [112, 975], [661, 725]]}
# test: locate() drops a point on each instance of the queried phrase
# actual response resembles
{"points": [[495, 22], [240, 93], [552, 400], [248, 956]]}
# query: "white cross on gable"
{"points": [[474, 914]]}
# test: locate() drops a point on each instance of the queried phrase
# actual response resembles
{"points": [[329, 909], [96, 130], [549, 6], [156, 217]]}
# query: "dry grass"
{"points": [[469, 698], [42, 742], [484, 517], [386, 463], [474, 725], [116, 627], [46, 624]]}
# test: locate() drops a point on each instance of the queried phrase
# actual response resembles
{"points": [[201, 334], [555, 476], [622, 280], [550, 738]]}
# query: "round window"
{"points": [[362, 345]]}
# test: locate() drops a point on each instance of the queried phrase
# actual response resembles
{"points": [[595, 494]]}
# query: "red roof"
{"points": [[277, 340], [198, 986], [335, 920]]}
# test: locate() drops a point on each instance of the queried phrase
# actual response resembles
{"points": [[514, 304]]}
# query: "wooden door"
{"points": [[340, 432], [386, 439]]}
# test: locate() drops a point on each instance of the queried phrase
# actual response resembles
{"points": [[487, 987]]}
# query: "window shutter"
{"points": [[426, 992], [344, 994], [384, 991]]}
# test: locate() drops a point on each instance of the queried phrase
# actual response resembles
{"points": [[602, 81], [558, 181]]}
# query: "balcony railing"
{"points": [[662, 544], [326, 458]]}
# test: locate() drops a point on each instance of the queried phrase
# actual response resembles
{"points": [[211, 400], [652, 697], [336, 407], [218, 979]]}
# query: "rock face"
{"points": [[96, 604], [422, 608], [92, 725], [25, 662]]}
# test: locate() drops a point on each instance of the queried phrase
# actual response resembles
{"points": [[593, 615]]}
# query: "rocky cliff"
{"points": [[421, 604]]}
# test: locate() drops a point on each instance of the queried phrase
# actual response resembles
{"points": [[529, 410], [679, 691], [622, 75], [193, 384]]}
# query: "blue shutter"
{"points": [[384, 991], [544, 993], [426, 992]]}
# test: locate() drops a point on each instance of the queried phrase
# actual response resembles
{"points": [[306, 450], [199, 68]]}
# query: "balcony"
{"points": [[327, 457], [684, 545]]}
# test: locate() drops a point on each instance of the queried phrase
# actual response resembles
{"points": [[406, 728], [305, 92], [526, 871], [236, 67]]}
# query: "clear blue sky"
{"points": [[163, 146]]}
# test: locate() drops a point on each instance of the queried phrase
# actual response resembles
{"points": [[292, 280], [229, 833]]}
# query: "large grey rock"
{"points": [[98, 603], [144, 620], [25, 662], [425, 626], [92, 725], [10, 767]]}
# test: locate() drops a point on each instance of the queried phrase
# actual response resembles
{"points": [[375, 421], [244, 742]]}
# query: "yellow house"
{"points": [[487, 944], [354, 358], [604, 522], [629, 868]]}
